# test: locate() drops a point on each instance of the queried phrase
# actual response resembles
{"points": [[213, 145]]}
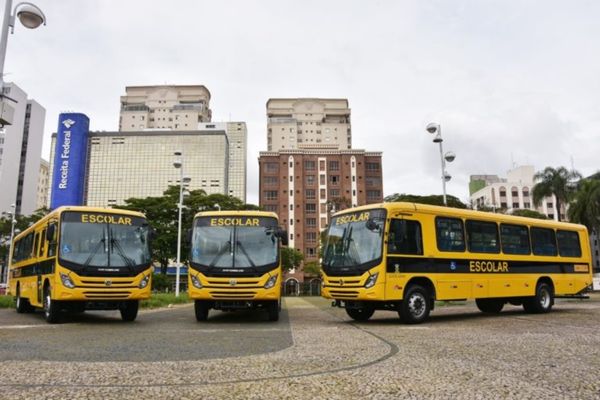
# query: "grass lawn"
{"points": [[163, 300], [7, 301]]}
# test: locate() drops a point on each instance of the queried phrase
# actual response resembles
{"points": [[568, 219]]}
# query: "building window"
{"points": [[270, 180], [334, 179], [515, 205], [323, 194], [311, 237], [334, 193], [311, 222], [311, 208], [334, 165], [270, 195], [310, 179], [372, 166], [271, 167], [310, 194], [373, 195], [309, 165]]}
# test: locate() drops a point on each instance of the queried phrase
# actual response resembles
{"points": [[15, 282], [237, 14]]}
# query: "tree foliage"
{"points": [[585, 207], [433, 199], [163, 213], [23, 222], [558, 182], [528, 213], [290, 258]]}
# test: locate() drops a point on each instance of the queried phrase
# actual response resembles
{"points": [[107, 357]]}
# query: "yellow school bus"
{"points": [[235, 262], [82, 258], [404, 256]]}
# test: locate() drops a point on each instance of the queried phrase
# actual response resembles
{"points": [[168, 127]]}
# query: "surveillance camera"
{"points": [[177, 164], [432, 127], [450, 156], [447, 177]]}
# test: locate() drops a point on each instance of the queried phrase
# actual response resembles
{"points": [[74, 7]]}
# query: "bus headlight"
{"points": [[271, 282], [144, 281], [196, 282], [371, 280], [66, 281]]}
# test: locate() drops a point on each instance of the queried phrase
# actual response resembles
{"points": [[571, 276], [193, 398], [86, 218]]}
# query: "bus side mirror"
{"points": [[188, 235], [151, 234], [283, 235], [50, 233]]}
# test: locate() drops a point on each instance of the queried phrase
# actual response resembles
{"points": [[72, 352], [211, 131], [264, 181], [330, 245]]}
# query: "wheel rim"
{"points": [[544, 298], [18, 299], [47, 303], [417, 305]]}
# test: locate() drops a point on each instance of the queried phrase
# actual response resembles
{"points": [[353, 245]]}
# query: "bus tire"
{"points": [[490, 306], [416, 305], [22, 304], [273, 310], [201, 309], [542, 301], [360, 314], [51, 307], [129, 310]]}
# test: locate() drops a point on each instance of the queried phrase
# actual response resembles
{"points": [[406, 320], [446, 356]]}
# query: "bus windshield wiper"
{"points": [[220, 254], [241, 246], [101, 242], [128, 261]]}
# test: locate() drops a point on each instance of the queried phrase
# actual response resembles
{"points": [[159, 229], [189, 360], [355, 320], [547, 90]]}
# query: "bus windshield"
{"points": [[104, 240], [354, 240], [235, 242]]}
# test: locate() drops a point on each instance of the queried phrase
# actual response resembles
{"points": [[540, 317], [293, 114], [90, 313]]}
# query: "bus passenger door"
{"points": [[405, 256]]}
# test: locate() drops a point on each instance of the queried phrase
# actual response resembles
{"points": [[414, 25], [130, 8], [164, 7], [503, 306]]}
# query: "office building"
{"points": [[20, 153], [43, 184]]}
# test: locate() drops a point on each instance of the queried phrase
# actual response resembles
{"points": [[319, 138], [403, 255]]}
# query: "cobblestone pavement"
{"points": [[459, 353]]}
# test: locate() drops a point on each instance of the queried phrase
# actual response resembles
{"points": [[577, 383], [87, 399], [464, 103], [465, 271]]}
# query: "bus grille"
{"points": [[226, 283], [234, 295], [102, 284], [106, 295], [345, 282], [339, 294]]}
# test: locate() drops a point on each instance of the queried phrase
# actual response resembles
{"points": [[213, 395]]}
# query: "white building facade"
{"points": [[20, 153]]}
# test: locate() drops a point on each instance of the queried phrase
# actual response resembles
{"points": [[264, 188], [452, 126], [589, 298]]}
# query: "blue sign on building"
{"points": [[70, 159]]}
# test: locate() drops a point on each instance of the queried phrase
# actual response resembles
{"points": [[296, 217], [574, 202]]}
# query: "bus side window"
{"points": [[52, 240], [42, 244], [482, 236], [405, 237], [36, 243], [543, 241], [450, 234], [568, 244]]}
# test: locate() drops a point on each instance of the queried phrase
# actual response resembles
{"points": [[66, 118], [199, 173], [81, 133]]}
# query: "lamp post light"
{"points": [[30, 16], [178, 163], [436, 129]]}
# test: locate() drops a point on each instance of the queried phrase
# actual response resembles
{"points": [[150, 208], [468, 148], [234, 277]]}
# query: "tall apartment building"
{"points": [[311, 170], [20, 153], [43, 184], [308, 123], [174, 107]]}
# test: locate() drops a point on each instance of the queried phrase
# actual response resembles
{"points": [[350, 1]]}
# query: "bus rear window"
{"points": [[543, 242], [568, 244]]}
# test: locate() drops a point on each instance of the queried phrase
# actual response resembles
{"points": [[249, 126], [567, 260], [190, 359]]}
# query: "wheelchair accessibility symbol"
{"points": [[453, 265]]}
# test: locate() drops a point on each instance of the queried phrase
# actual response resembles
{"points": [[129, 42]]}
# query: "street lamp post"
{"points": [[178, 163], [435, 128], [31, 17], [13, 222]]}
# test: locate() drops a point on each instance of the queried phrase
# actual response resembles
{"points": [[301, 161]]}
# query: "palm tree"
{"points": [[585, 207], [557, 182]]}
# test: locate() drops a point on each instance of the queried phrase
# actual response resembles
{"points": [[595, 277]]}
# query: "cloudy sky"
{"points": [[510, 82]]}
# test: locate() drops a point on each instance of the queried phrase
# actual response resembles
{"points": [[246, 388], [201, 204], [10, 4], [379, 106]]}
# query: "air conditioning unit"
{"points": [[7, 112]]}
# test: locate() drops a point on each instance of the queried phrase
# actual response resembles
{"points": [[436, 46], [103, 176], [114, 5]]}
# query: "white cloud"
{"points": [[507, 80]]}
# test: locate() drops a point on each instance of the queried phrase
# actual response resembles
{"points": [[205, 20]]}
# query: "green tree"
{"points": [[585, 207], [290, 258], [163, 213], [312, 268], [557, 182], [433, 199]]}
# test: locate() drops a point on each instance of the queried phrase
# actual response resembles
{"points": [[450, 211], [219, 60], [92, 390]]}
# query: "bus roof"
{"points": [[462, 213], [57, 211], [242, 213]]}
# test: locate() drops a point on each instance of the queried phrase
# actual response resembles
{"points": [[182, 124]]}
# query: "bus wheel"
{"points": [[129, 310], [543, 300], [201, 308], [360, 314], [21, 304], [51, 307], [273, 310], [490, 306], [415, 306]]}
